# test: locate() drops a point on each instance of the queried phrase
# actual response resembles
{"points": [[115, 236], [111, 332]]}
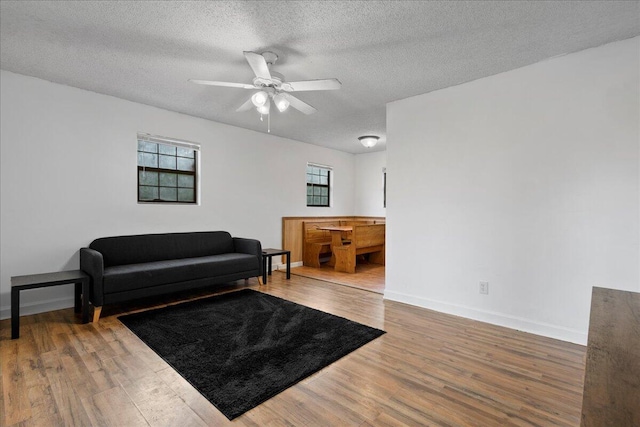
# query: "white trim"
{"points": [[318, 165], [284, 266], [164, 140], [500, 319]]}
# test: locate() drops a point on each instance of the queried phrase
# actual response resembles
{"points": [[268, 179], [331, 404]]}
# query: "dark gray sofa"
{"points": [[129, 267]]}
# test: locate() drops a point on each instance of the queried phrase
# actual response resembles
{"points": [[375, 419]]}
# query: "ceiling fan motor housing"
{"points": [[270, 57], [276, 78], [274, 82]]}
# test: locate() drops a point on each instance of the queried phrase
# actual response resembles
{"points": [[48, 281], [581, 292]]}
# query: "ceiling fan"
{"points": [[271, 86]]}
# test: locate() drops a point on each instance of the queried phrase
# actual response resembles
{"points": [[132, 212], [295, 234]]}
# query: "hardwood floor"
{"points": [[429, 369], [368, 277]]}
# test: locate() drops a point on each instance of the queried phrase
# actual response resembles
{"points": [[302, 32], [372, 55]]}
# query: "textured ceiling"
{"points": [[380, 51]]}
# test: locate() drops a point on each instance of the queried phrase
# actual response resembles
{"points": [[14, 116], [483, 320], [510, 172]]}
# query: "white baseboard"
{"points": [[284, 266], [39, 307], [500, 319]]}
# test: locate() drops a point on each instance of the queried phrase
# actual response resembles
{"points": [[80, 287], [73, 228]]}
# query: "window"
{"points": [[318, 185], [167, 170]]}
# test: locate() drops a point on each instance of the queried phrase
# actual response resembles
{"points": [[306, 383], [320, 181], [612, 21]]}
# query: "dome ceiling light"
{"points": [[369, 141]]}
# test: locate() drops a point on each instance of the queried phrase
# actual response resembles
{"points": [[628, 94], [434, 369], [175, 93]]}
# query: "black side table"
{"points": [[33, 281], [269, 253]]}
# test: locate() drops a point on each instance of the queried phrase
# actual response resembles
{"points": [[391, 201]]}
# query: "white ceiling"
{"points": [[380, 50]]}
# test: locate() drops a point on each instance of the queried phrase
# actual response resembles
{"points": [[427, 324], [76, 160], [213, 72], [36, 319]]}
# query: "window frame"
{"points": [[177, 144], [312, 185]]}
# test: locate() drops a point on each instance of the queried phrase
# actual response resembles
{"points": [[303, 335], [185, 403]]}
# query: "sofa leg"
{"points": [[96, 313], [260, 280]]}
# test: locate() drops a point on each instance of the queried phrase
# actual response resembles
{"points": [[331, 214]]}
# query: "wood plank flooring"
{"points": [[429, 369], [368, 277]]}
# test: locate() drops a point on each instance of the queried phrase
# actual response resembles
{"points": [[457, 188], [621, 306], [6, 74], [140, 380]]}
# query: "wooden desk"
{"points": [[337, 232]]}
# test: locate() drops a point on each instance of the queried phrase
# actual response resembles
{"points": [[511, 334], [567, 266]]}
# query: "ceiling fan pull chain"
{"points": [[269, 123]]}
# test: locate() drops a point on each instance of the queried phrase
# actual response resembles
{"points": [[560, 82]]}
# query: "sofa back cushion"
{"points": [[124, 250]]}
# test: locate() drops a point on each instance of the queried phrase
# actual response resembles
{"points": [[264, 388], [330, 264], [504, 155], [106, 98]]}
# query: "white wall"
{"points": [[528, 180], [369, 195], [68, 176]]}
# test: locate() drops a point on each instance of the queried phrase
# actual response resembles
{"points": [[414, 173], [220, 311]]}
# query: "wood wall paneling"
{"points": [[292, 231]]}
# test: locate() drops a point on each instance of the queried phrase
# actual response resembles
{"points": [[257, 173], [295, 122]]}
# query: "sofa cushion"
{"points": [[158, 247], [123, 278]]}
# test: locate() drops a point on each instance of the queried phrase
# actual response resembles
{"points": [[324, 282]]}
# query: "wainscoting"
{"points": [[292, 230]]}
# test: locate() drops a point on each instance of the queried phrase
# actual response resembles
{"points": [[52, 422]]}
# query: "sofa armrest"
{"points": [[249, 246], [91, 262]]}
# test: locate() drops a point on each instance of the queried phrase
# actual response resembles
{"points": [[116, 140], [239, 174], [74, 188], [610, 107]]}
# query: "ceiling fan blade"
{"points": [[226, 84], [248, 105], [300, 105], [258, 64], [323, 84]]}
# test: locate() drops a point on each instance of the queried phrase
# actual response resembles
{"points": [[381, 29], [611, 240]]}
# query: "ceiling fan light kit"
{"points": [[272, 85], [260, 98], [281, 101], [369, 141], [264, 109]]}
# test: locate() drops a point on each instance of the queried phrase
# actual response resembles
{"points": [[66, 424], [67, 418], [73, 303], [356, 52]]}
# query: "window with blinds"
{"points": [[167, 170]]}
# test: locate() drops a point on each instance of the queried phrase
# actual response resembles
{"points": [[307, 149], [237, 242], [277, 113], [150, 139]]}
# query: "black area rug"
{"points": [[242, 348]]}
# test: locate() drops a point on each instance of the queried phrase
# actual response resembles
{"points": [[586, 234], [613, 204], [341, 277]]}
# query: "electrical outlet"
{"points": [[484, 288]]}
